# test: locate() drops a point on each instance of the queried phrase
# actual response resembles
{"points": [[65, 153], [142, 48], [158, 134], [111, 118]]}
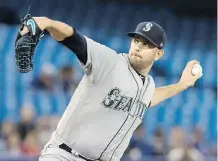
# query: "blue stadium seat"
{"points": [[209, 67], [177, 62]]}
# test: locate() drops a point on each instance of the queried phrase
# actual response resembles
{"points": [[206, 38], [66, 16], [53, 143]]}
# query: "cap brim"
{"points": [[132, 34]]}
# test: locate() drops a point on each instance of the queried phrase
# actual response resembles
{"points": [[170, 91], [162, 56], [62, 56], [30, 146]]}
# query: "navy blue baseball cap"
{"points": [[152, 32]]}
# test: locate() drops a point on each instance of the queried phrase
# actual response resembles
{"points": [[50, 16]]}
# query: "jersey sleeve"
{"points": [[100, 60], [151, 89]]}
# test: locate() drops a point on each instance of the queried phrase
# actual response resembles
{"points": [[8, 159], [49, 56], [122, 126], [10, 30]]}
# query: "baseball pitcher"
{"points": [[112, 97]]}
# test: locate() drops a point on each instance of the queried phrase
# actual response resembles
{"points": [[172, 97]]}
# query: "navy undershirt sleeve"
{"points": [[77, 43]]}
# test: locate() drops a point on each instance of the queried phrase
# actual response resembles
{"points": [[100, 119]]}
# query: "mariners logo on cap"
{"points": [[147, 27], [161, 44]]}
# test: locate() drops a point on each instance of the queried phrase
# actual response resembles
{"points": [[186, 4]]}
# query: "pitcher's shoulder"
{"points": [[124, 57], [151, 81]]}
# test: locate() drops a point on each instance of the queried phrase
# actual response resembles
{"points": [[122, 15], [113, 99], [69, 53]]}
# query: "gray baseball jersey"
{"points": [[107, 106]]}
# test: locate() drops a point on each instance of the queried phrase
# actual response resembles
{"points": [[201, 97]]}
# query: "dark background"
{"points": [[9, 12]]}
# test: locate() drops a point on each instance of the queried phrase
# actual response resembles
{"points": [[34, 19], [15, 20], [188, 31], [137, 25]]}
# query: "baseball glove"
{"points": [[25, 45]]}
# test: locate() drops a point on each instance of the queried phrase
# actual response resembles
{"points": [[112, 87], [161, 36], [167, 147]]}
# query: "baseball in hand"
{"points": [[196, 69]]}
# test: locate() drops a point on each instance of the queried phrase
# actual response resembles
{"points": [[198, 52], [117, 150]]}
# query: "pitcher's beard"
{"points": [[142, 68], [138, 65]]}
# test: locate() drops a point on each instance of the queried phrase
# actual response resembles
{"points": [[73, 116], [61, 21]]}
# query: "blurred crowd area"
{"points": [[28, 136], [180, 129], [50, 79]]}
